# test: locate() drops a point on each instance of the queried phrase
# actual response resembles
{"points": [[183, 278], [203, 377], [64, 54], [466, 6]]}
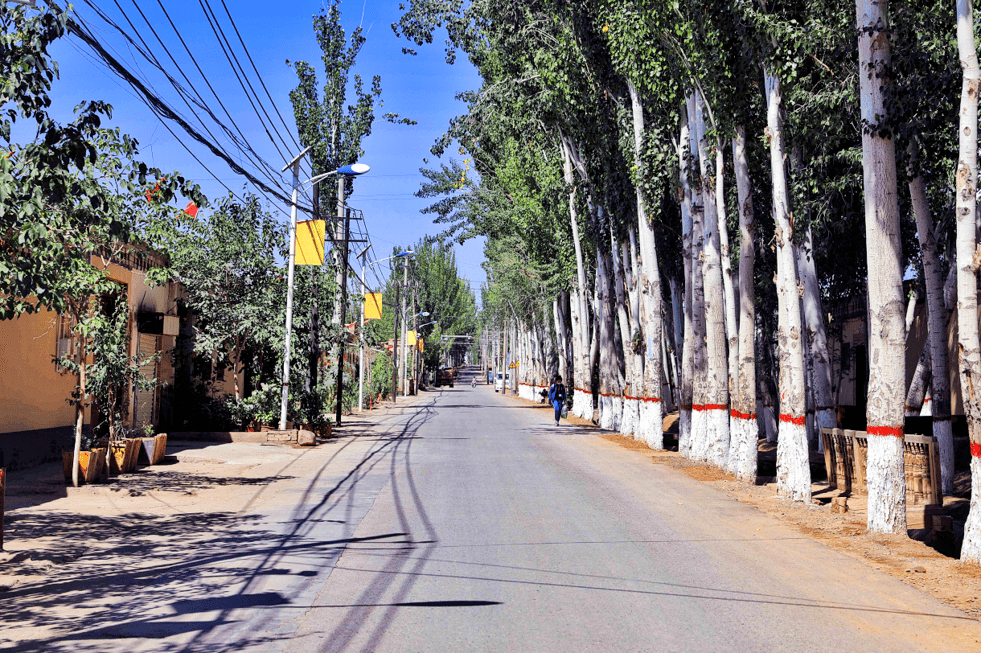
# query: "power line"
{"points": [[261, 81], [164, 111], [233, 61], [151, 58]]}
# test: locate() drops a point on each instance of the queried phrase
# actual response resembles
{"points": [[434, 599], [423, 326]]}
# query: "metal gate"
{"points": [[146, 399]]}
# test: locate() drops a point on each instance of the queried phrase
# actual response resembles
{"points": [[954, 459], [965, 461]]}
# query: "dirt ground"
{"points": [[919, 562]]}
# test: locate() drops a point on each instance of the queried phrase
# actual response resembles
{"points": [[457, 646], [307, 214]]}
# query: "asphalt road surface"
{"points": [[470, 522]]}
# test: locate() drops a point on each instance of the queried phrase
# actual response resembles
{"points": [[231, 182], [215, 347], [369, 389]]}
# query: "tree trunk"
{"points": [[79, 410], [744, 432], [793, 463], [716, 398], [939, 404], [731, 293], [916, 394], [967, 268], [580, 313], [685, 413], [610, 392], [651, 404], [817, 339], [887, 356]]}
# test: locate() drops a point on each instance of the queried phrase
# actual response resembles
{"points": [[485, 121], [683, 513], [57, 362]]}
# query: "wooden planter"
{"points": [[152, 450], [91, 465], [125, 455]]}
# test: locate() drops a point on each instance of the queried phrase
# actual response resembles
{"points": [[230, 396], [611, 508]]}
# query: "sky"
{"points": [[421, 87]]}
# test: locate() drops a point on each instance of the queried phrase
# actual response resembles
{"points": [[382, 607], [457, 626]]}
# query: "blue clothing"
{"points": [[556, 395]]}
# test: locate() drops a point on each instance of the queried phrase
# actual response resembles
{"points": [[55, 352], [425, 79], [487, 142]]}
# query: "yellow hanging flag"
{"points": [[420, 345], [310, 242], [410, 338], [372, 306]]}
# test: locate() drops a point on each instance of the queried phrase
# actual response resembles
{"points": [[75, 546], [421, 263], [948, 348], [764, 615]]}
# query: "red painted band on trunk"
{"points": [[735, 413], [686, 408], [797, 421], [976, 450], [641, 398], [928, 399], [895, 431], [708, 407]]}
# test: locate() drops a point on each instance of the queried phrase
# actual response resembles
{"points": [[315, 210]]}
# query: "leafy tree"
{"points": [[334, 131]]}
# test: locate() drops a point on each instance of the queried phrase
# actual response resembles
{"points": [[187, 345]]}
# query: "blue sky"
{"points": [[421, 87]]}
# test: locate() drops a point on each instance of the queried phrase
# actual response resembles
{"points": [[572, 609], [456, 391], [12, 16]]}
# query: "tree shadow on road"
{"points": [[196, 578]]}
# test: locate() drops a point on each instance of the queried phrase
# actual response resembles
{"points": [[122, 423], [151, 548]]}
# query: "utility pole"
{"points": [[346, 223], [395, 349], [405, 330], [415, 348]]}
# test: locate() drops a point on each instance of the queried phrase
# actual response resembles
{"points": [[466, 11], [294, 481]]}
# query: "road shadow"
{"points": [[195, 577]]}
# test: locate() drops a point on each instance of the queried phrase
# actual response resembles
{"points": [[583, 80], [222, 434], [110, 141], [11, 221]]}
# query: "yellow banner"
{"points": [[310, 242], [410, 338], [420, 344], [372, 306]]}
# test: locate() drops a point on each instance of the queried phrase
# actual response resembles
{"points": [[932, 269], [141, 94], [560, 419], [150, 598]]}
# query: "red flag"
{"points": [[191, 210]]}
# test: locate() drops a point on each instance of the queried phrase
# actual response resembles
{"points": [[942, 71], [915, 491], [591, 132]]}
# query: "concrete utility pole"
{"points": [[343, 281], [415, 329], [405, 331], [395, 349]]}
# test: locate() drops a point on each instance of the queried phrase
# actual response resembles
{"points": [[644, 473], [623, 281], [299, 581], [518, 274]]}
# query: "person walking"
{"points": [[556, 396]]}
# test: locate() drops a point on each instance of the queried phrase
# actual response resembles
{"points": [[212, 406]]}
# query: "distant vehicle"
{"points": [[499, 384], [444, 376]]}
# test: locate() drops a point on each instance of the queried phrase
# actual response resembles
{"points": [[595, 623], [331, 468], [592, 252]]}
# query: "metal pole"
{"points": [[405, 331], [415, 328], [340, 348], [289, 298], [361, 346], [395, 349]]}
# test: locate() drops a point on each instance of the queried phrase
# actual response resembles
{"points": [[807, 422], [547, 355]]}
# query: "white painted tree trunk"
{"points": [[817, 338], [649, 394], [793, 462], [685, 413], [743, 428], [885, 472], [579, 385], [610, 392], [937, 403], [967, 267], [699, 435], [716, 398], [731, 291], [561, 335], [916, 393], [630, 412]]}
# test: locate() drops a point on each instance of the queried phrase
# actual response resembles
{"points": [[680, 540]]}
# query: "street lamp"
{"points": [[348, 170], [361, 332]]}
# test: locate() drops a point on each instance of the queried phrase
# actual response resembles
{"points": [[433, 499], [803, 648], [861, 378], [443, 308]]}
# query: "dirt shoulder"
{"points": [[916, 563]]}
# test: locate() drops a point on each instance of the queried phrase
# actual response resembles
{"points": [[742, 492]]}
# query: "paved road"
{"points": [[470, 522]]}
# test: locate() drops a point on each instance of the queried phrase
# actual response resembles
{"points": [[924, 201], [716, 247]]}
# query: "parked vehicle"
{"points": [[444, 376], [501, 382]]}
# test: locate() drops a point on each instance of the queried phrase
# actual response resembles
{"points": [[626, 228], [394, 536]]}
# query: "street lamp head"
{"points": [[424, 314], [354, 169], [407, 252]]}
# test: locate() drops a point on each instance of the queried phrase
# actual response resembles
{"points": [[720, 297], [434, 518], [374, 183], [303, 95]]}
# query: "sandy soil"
{"points": [[918, 562]]}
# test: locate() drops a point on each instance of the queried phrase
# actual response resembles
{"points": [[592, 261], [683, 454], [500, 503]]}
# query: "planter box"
{"points": [[91, 465], [152, 450], [125, 455]]}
